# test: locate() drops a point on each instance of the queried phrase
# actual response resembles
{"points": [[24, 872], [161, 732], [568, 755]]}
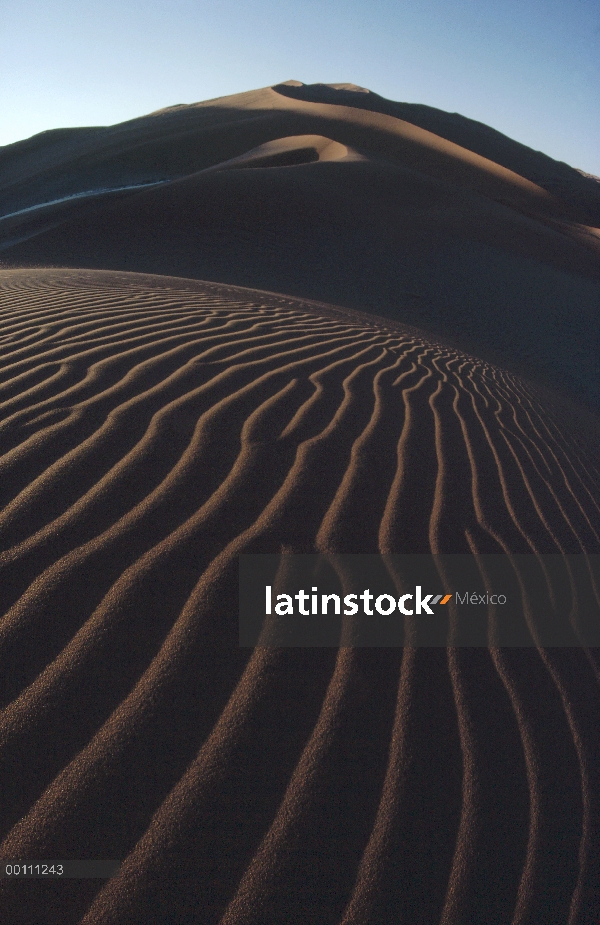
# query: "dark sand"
{"points": [[154, 426]]}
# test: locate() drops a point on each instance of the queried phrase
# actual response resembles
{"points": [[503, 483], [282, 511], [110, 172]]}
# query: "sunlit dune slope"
{"points": [[151, 430]]}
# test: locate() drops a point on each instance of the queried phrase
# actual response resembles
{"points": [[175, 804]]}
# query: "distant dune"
{"points": [[396, 351], [404, 211]]}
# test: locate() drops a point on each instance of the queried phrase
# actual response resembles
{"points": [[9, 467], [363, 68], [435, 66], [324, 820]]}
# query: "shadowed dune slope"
{"points": [[151, 430]]}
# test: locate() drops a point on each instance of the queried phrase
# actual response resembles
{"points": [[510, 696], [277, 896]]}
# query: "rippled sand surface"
{"points": [[152, 429]]}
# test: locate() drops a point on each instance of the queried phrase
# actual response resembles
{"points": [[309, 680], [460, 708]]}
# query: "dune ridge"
{"points": [[154, 428]]}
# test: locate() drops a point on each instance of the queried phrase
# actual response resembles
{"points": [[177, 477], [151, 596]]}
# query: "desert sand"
{"points": [[301, 319]]}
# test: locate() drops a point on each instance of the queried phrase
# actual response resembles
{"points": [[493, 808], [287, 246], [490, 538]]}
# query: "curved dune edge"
{"points": [[151, 430], [292, 150]]}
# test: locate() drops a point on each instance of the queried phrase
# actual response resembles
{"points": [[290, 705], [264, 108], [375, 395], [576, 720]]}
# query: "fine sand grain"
{"points": [[153, 428]]}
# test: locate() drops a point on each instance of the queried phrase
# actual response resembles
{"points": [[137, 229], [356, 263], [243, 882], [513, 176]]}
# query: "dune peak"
{"points": [[353, 88]]}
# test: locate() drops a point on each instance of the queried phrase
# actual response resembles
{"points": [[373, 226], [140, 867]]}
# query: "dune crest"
{"points": [[297, 149], [354, 88]]}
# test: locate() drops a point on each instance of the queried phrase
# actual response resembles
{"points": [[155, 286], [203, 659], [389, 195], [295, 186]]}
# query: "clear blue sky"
{"points": [[530, 68]]}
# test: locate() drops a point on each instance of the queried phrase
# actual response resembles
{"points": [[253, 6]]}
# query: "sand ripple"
{"points": [[151, 430]]}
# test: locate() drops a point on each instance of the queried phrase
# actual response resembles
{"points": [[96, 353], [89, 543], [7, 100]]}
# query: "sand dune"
{"points": [[215, 130], [287, 152], [553, 176], [153, 429], [348, 205], [397, 352]]}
